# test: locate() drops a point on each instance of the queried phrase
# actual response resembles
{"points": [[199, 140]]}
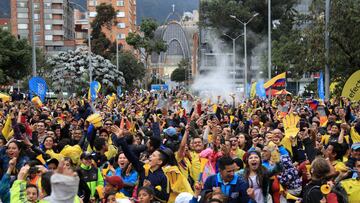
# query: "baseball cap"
{"points": [[355, 146], [115, 181], [86, 155], [170, 131]]}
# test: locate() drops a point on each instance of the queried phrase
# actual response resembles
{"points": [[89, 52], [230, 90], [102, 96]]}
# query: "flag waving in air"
{"points": [[95, 87]]}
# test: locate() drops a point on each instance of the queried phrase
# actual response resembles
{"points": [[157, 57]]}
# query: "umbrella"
{"points": [[282, 92]]}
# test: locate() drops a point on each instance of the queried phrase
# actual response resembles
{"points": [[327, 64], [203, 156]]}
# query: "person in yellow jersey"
{"points": [[355, 132], [352, 185], [335, 152]]}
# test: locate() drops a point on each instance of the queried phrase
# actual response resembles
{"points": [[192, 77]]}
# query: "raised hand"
{"points": [[117, 131], [23, 172]]}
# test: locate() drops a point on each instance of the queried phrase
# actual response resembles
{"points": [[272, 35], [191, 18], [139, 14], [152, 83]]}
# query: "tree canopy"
{"points": [[71, 71], [131, 68], [147, 42], [302, 49], [15, 58], [105, 18]]}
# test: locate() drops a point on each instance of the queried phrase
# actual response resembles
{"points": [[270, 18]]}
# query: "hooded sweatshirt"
{"points": [[63, 188]]}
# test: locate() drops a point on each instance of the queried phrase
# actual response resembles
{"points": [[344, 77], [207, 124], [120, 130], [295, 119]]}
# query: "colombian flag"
{"points": [[313, 104], [274, 83]]}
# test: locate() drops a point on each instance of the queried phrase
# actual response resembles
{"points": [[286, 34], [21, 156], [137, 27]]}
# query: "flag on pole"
{"points": [[95, 87], [275, 82]]}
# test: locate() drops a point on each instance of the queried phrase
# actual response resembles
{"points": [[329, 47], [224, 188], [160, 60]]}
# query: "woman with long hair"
{"points": [[125, 170], [257, 176], [13, 149]]}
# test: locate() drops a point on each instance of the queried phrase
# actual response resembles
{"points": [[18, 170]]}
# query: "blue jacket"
{"points": [[235, 190], [131, 179]]}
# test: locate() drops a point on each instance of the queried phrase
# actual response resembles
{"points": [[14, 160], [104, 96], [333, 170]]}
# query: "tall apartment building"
{"points": [[126, 18], [53, 23]]}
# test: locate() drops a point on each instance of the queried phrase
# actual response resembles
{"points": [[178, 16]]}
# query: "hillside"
{"points": [[160, 9]]}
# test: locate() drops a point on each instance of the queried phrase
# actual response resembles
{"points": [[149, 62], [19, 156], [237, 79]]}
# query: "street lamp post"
{"points": [[87, 16], [234, 56], [245, 49], [117, 52], [33, 43], [269, 39], [327, 49]]}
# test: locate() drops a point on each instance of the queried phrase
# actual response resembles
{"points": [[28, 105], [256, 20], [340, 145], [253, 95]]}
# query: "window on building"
{"points": [[48, 16], [36, 16], [21, 4], [92, 2], [37, 27], [92, 14], [37, 38], [120, 14], [121, 36], [22, 26], [121, 25], [48, 37], [23, 36], [22, 15], [119, 3], [48, 27], [47, 5], [36, 6]]}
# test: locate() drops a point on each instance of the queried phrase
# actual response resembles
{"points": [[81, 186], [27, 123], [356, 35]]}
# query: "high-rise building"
{"points": [[125, 18], [53, 23]]}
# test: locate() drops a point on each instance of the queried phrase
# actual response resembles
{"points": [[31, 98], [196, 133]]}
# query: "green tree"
{"points": [[303, 48], [105, 18], [132, 69], [178, 75], [15, 58], [146, 44]]}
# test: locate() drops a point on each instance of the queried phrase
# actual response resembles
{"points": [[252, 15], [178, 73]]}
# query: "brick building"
{"points": [[126, 18]]}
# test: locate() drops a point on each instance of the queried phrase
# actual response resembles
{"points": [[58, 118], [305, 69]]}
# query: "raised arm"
{"points": [[138, 166]]}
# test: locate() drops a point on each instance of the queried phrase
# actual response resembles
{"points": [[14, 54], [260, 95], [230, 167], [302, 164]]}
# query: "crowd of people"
{"points": [[171, 146]]}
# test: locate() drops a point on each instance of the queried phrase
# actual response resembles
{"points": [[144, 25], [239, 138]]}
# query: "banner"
{"points": [[260, 90], [351, 88], [321, 87], [37, 87], [95, 87], [159, 87]]}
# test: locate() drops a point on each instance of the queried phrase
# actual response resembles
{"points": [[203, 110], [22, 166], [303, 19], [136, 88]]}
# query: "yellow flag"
{"points": [[253, 90], [7, 131], [214, 108]]}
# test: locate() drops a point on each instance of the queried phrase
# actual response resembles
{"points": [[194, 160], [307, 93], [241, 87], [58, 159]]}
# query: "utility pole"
{"points": [[327, 49], [33, 43]]}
